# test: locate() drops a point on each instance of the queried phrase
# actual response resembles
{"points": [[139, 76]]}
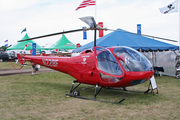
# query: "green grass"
{"points": [[43, 97], [8, 65]]}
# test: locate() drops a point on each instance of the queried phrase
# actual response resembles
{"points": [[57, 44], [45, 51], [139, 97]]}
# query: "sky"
{"points": [[41, 17]]}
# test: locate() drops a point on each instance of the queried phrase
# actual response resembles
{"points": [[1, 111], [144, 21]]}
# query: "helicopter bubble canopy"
{"points": [[132, 60], [109, 69]]}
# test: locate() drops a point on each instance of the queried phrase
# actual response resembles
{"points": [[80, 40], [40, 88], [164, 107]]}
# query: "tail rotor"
{"points": [[19, 63]]}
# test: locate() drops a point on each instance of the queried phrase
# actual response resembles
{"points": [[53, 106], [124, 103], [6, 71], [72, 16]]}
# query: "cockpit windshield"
{"points": [[110, 69], [107, 62], [132, 60]]}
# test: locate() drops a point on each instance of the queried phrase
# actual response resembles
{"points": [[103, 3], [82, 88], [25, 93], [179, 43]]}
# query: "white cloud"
{"points": [[15, 4]]}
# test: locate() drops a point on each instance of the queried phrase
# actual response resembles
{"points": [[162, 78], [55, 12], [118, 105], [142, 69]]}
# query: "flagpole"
{"points": [[95, 26], [179, 23], [95, 9]]}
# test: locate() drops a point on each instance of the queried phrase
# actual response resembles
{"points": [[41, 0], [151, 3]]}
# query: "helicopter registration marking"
{"points": [[50, 62]]}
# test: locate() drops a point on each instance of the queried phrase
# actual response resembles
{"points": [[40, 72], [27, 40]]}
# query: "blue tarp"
{"points": [[135, 41]]}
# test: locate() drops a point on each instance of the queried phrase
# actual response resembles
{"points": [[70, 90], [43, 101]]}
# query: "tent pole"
{"points": [[153, 58]]}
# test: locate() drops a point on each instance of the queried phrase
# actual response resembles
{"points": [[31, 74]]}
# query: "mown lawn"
{"points": [[9, 65], [43, 97]]}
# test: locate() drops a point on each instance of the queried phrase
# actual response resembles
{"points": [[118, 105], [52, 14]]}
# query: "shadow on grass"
{"points": [[105, 94]]}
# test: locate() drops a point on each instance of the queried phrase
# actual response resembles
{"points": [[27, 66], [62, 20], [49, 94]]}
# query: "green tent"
{"points": [[62, 43], [21, 45]]}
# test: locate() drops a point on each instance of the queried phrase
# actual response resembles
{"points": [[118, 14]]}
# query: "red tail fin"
{"points": [[21, 61]]}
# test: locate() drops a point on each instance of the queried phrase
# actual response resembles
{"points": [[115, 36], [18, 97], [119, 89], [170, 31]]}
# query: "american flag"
{"points": [[86, 3], [6, 41]]}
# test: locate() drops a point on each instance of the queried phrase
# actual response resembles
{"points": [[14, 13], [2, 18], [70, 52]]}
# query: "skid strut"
{"points": [[76, 93], [95, 92], [72, 89]]}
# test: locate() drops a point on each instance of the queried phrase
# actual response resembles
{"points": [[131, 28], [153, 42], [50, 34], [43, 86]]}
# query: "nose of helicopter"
{"points": [[140, 77]]}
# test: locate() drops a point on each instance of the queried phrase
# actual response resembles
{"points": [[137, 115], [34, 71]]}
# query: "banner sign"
{"points": [[78, 45], [153, 83], [34, 49], [101, 31], [138, 28], [84, 34]]}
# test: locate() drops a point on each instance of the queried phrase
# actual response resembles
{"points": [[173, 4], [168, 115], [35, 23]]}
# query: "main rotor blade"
{"points": [[143, 35], [90, 21], [53, 34]]}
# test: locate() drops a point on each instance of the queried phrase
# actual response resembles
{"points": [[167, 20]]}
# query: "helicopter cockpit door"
{"points": [[109, 68]]}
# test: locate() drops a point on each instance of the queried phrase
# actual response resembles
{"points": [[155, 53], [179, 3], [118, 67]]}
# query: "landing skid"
{"points": [[76, 93], [124, 89]]}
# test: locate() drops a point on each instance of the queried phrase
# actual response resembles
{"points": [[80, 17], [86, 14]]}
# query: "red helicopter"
{"points": [[110, 67]]}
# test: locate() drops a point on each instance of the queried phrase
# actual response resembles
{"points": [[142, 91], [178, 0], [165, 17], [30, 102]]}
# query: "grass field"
{"points": [[42, 97], [8, 65]]}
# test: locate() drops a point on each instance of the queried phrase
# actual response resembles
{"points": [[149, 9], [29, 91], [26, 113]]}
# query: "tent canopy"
{"points": [[21, 45], [62, 43], [135, 41]]}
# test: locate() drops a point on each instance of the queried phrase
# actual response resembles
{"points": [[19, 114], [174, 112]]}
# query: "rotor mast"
{"points": [[92, 24]]}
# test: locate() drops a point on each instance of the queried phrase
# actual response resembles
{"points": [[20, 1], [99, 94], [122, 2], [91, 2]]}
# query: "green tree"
{"points": [[3, 48]]}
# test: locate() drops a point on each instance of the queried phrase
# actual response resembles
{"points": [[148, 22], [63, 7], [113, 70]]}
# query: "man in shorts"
{"points": [[33, 68]]}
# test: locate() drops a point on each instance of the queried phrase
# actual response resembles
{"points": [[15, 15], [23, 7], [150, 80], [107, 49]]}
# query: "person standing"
{"points": [[34, 65]]}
